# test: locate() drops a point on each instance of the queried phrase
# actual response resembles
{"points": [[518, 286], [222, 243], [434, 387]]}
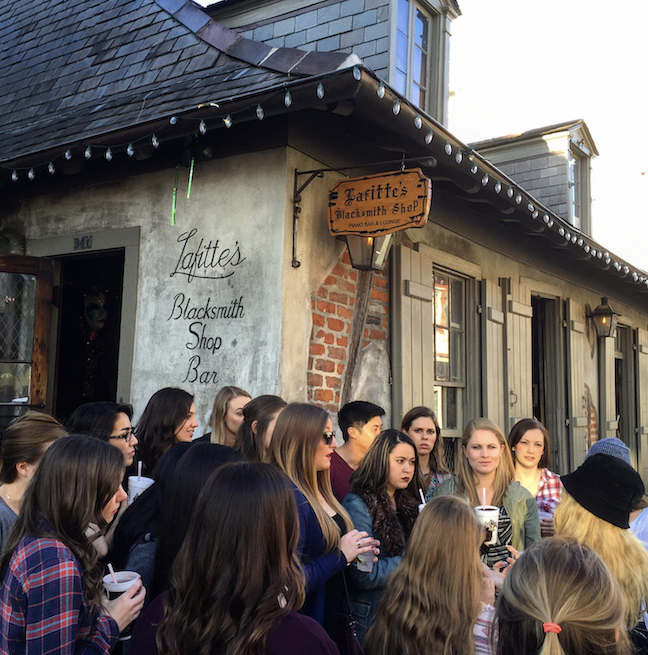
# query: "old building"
{"points": [[165, 174]]}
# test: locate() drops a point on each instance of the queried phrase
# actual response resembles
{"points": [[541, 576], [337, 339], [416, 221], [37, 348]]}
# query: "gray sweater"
{"points": [[7, 519]]}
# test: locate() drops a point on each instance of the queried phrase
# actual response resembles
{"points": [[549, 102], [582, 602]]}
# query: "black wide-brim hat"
{"points": [[607, 487]]}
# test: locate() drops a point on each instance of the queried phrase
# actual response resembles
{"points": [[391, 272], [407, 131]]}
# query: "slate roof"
{"points": [[76, 70]]}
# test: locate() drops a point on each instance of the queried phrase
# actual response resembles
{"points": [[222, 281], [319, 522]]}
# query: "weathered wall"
{"points": [[209, 287]]}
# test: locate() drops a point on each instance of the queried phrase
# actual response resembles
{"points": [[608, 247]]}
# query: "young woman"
{"points": [[109, 422], [236, 582], [226, 416], [529, 443], [421, 426], [23, 445], [595, 507], [178, 503], [560, 599], [51, 599], [255, 432], [434, 599], [169, 418], [485, 468], [302, 445], [383, 501]]}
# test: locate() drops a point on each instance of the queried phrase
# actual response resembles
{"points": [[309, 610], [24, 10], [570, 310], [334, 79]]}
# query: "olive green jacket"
{"points": [[520, 505]]}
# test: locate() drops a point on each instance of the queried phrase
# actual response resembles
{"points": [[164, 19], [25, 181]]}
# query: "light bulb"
{"points": [[428, 137], [396, 107], [202, 128], [357, 74], [228, 121], [287, 98], [173, 120], [68, 154], [155, 142], [498, 186], [448, 148], [380, 91], [108, 155], [130, 151], [50, 168], [260, 114], [14, 176], [320, 90], [88, 152], [31, 175], [418, 123]]}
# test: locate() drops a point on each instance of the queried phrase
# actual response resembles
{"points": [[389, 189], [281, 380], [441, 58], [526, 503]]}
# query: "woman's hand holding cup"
{"points": [[355, 543]]}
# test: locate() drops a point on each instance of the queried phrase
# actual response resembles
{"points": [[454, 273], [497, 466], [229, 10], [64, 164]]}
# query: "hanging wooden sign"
{"points": [[375, 205]]}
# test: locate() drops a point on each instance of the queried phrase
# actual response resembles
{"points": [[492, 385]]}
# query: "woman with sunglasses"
{"points": [[302, 445]]}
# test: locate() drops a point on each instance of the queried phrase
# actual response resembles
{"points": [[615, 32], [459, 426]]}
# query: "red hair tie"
{"points": [[551, 627]]}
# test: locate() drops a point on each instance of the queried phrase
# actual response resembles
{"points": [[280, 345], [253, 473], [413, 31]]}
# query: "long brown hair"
{"points": [[236, 575], [298, 432], [561, 581], [437, 456], [432, 600], [25, 440], [219, 409], [504, 474], [166, 410], [75, 480], [250, 442]]}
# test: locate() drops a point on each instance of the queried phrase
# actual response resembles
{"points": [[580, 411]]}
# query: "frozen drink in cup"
{"points": [[488, 518], [125, 579], [136, 485]]}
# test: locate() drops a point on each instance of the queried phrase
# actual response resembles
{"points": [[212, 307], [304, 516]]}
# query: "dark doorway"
{"points": [[548, 376], [88, 332]]}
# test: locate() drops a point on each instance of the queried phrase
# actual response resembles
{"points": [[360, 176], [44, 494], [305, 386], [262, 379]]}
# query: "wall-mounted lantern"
{"points": [[605, 319], [366, 211], [368, 253]]}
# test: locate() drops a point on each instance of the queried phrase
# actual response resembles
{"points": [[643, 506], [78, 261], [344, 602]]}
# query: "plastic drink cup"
{"points": [[125, 579], [366, 560], [136, 487], [488, 518]]}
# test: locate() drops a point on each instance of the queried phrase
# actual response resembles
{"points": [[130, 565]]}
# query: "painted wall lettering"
{"points": [[206, 260]]}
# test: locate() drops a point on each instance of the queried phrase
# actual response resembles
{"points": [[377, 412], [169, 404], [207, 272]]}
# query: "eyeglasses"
{"points": [[127, 435], [328, 437]]}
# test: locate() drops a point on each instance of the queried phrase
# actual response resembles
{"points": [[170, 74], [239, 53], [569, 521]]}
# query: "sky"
{"points": [[521, 64]]}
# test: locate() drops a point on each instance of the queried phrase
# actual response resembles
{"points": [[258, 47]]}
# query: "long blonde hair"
{"points": [[504, 474], [217, 418], [623, 553], [298, 432], [432, 600], [561, 581]]}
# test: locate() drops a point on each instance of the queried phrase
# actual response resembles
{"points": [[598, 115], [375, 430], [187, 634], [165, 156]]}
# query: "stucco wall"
{"points": [[209, 287]]}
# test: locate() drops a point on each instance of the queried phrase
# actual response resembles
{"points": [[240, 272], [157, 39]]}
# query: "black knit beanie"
{"points": [[607, 487]]}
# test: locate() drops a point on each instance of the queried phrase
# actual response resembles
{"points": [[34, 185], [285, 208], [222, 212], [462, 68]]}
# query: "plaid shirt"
{"points": [[41, 604], [548, 495]]}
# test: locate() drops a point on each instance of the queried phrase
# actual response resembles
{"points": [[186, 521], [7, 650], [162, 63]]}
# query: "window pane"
{"points": [[442, 353], [447, 407], [456, 356], [17, 306], [457, 303], [441, 300], [401, 54], [399, 82], [418, 67], [421, 29], [14, 382], [403, 15]]}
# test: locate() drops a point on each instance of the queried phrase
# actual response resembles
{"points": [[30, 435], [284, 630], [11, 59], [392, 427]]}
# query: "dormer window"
{"points": [[419, 63], [578, 188], [412, 77]]}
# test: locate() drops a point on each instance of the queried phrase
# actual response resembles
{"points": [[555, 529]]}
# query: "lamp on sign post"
{"points": [[368, 253]]}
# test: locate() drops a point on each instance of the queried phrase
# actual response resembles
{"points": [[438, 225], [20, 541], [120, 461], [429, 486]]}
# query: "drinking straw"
{"points": [[422, 497], [112, 573], [139, 470], [483, 496]]}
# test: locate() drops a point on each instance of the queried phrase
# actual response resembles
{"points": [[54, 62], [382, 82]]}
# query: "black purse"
{"points": [[346, 635]]}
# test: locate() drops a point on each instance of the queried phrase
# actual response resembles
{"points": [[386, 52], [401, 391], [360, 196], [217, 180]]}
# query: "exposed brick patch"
{"points": [[332, 317]]}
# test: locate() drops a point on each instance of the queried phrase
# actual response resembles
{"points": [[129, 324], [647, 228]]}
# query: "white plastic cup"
{"points": [[125, 580], [488, 518], [136, 487], [366, 560]]}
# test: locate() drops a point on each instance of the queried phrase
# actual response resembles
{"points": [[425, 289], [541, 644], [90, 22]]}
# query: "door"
{"points": [[25, 310]]}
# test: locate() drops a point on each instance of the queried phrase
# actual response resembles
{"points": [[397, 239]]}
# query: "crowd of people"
{"points": [[276, 533]]}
